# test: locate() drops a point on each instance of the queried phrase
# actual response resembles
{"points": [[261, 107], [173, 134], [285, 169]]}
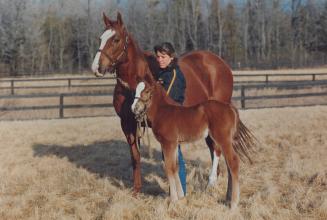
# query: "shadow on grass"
{"points": [[109, 159]]}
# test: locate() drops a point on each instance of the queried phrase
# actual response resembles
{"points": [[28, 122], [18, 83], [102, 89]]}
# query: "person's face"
{"points": [[163, 59]]}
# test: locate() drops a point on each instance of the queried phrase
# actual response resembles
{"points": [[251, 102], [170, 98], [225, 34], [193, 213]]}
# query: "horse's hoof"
{"points": [[183, 201], [136, 192], [173, 199]]}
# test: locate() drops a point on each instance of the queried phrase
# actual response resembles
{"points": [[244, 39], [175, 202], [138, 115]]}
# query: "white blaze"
{"points": [[139, 88], [104, 38]]}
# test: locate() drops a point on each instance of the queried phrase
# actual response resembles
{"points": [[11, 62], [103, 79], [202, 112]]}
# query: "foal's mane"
{"points": [[165, 99]]}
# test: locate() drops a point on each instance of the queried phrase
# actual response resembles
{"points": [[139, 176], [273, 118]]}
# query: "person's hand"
{"points": [[160, 81]]}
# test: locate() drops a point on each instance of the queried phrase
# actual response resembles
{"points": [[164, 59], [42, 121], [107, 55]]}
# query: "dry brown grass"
{"points": [[80, 169]]}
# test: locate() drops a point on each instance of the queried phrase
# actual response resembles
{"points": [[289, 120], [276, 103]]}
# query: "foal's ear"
{"points": [[119, 19], [106, 20]]}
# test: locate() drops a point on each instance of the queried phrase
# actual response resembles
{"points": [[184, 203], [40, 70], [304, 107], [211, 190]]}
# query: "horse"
{"points": [[173, 124], [207, 77]]}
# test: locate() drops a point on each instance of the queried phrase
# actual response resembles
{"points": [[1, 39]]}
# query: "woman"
{"points": [[172, 79]]}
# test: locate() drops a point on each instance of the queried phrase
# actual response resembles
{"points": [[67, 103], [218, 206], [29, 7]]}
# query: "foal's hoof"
{"points": [[211, 184], [233, 206], [180, 195]]}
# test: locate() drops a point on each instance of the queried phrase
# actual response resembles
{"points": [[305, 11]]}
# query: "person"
{"points": [[172, 79]]}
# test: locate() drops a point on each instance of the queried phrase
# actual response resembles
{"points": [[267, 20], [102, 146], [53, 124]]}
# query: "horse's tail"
{"points": [[244, 141]]}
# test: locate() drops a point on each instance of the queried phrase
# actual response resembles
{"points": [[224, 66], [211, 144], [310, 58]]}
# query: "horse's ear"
{"points": [[106, 20], [119, 19]]}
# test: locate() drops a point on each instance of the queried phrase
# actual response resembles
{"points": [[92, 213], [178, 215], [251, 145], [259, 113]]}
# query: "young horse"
{"points": [[207, 76], [172, 124]]}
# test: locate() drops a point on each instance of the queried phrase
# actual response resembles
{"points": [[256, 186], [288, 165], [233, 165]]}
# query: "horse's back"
{"points": [[207, 77]]}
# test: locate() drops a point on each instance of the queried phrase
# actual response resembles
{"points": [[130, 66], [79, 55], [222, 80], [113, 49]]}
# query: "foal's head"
{"points": [[113, 46], [142, 99]]}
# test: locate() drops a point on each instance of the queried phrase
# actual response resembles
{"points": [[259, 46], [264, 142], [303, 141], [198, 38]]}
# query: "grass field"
{"points": [[80, 169]]}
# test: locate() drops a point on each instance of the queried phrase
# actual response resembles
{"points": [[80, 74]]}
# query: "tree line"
{"points": [[62, 36]]}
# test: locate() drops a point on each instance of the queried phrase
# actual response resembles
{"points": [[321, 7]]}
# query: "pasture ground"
{"points": [[80, 169]]}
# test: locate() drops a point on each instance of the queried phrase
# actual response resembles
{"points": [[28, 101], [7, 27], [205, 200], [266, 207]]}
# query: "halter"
{"points": [[142, 115], [114, 62]]}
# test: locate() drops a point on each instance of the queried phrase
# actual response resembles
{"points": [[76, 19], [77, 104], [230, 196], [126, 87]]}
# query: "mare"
{"points": [[207, 77], [173, 124]]}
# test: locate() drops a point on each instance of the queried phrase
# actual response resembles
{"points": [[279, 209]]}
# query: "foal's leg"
{"points": [[215, 153], [171, 168], [232, 160], [129, 129]]}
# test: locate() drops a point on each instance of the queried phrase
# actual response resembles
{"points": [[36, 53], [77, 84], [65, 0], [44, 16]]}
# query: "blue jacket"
{"points": [[173, 80]]}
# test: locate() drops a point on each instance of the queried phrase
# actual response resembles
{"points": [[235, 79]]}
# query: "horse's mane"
{"points": [[148, 57], [153, 64]]}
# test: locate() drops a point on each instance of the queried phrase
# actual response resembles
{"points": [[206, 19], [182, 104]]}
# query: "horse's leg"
{"points": [[171, 168], [232, 160], [129, 129], [215, 153]]}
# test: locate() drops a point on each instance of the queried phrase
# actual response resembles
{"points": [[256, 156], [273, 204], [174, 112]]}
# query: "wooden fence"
{"points": [[242, 98], [276, 78], [76, 82], [298, 86], [12, 84], [61, 106]]}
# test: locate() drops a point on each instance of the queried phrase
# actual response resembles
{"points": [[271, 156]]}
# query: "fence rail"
{"points": [[69, 81], [242, 99], [268, 78], [284, 85], [61, 105]]}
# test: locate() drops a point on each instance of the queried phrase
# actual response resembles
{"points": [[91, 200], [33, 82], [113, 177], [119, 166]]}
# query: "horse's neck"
{"points": [[157, 102], [135, 66]]}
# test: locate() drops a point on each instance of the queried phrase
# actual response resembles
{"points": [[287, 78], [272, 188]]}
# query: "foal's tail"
{"points": [[244, 140]]}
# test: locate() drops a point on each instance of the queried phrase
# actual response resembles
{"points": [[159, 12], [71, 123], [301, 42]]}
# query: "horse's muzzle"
{"points": [[139, 111]]}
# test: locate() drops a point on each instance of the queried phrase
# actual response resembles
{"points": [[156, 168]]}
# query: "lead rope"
{"points": [[140, 135]]}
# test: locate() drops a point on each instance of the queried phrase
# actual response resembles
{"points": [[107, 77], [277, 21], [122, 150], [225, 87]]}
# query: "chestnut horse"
{"points": [[172, 124], [207, 77]]}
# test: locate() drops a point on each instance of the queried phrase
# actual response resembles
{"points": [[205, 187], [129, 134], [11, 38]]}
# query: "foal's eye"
{"points": [[116, 40]]}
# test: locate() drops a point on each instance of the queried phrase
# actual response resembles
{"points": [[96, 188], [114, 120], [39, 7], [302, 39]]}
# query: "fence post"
{"points": [[12, 87], [267, 79], [69, 83], [61, 106], [242, 97], [313, 77]]}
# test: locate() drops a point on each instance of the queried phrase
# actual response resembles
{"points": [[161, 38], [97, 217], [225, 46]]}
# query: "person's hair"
{"points": [[165, 48]]}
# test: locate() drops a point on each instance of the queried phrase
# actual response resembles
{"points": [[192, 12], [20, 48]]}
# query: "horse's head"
{"points": [[113, 46], [142, 99]]}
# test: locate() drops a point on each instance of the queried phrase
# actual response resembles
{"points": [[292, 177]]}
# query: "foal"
{"points": [[172, 124]]}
